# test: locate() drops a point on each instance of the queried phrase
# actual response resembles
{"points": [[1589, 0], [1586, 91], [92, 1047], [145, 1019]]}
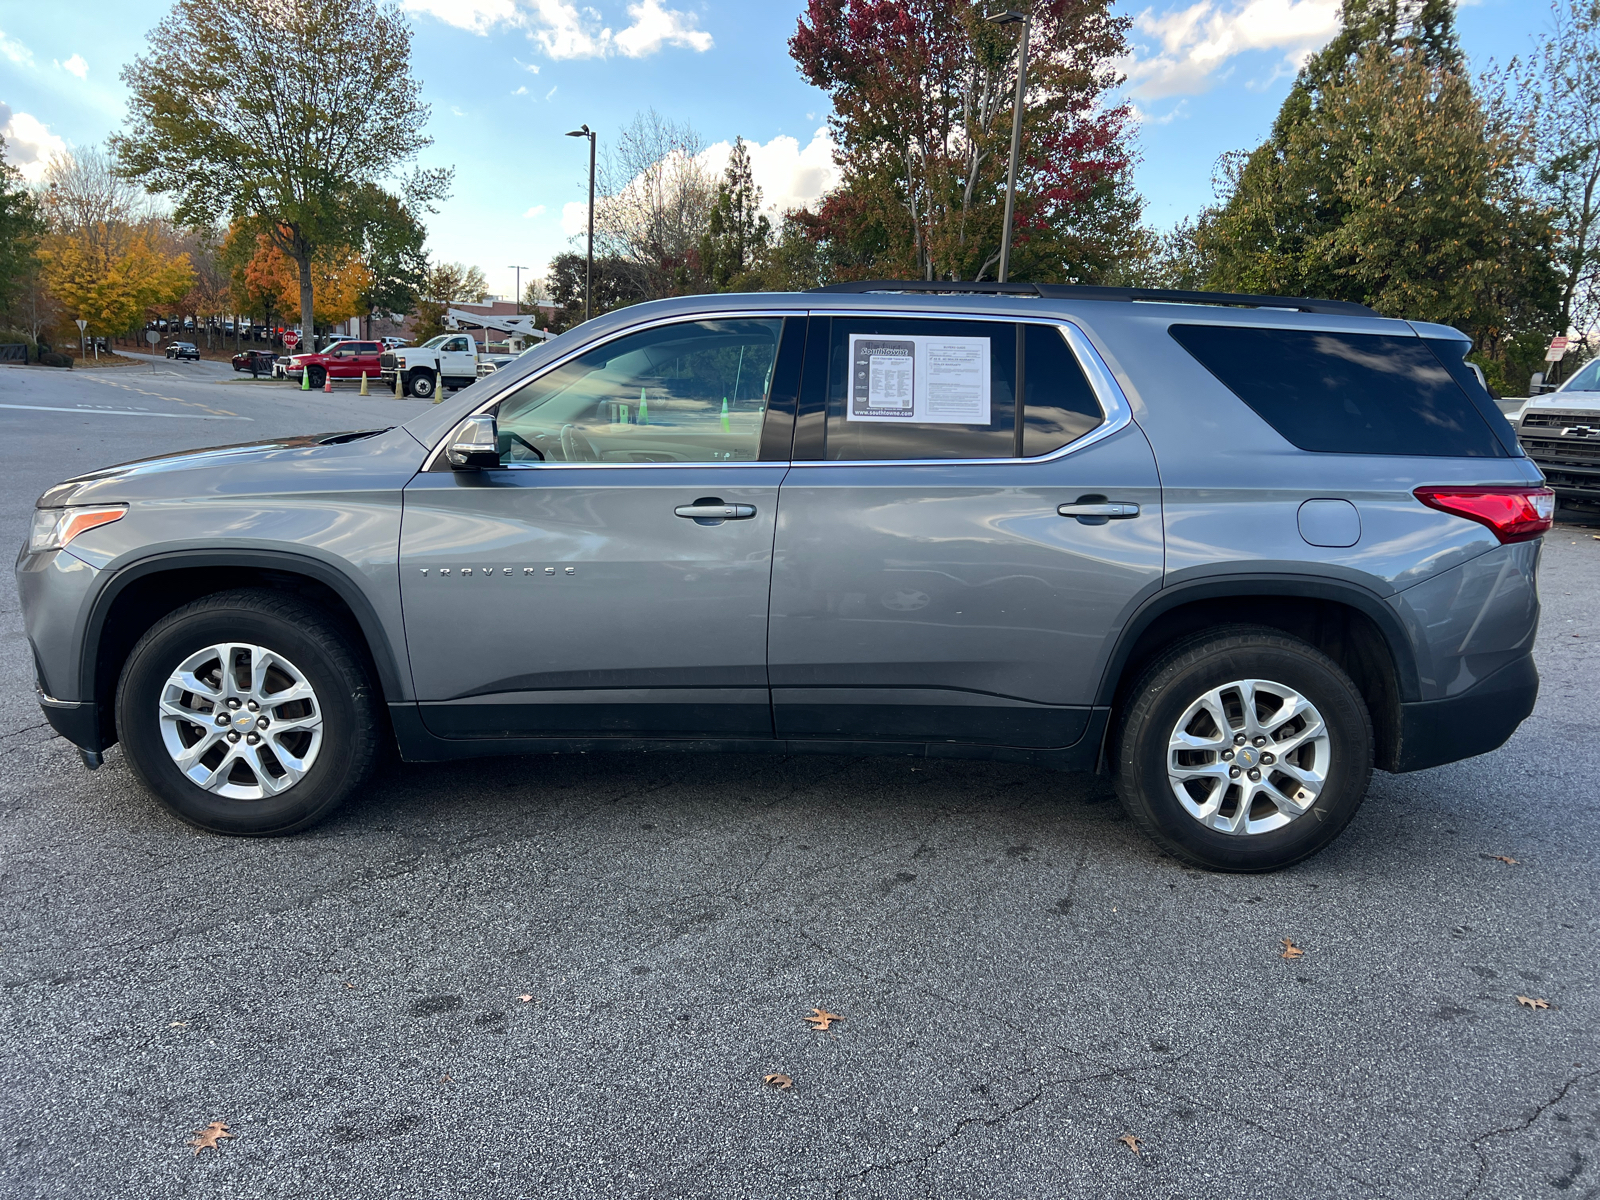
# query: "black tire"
{"points": [[1177, 679], [318, 376], [420, 384], [316, 646]]}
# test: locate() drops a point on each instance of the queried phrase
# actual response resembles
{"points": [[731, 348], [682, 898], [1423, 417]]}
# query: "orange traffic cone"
{"points": [[327, 382]]}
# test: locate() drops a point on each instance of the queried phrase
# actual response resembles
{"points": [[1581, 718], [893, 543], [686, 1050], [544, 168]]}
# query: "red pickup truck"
{"points": [[344, 360]]}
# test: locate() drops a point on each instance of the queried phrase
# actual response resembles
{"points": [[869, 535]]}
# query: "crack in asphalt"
{"points": [[1518, 1127]]}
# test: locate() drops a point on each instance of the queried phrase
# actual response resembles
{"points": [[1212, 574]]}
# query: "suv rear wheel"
{"points": [[1243, 749], [247, 712]]}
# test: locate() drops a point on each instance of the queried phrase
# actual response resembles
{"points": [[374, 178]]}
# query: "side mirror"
{"points": [[474, 446]]}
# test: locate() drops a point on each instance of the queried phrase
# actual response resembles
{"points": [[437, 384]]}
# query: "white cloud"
{"points": [[14, 50], [521, 91], [475, 16], [1180, 109], [536, 211], [563, 30], [75, 66], [551, 92], [457, 111], [789, 175], [29, 143], [1196, 43], [654, 27]]}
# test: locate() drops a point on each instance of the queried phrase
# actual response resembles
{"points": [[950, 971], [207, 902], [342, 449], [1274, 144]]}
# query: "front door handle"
{"points": [[1097, 510], [715, 511]]}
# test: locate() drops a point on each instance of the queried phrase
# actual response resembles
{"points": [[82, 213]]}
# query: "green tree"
{"points": [[1386, 182], [444, 284], [20, 228], [612, 287], [392, 246], [737, 233], [1553, 99], [282, 111]]}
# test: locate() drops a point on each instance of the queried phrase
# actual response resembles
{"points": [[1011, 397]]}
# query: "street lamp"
{"points": [[588, 269], [1012, 18], [519, 270]]}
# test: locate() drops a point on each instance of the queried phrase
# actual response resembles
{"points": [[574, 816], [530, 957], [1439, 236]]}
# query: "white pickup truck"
{"points": [[449, 360]]}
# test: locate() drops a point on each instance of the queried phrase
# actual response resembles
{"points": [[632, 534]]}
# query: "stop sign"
{"points": [[291, 339]]}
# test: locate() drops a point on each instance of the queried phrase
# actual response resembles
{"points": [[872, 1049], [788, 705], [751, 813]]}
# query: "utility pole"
{"points": [[588, 269], [1012, 18], [519, 270]]}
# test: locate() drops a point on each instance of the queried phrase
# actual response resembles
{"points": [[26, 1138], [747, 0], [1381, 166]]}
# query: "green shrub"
{"points": [[51, 359]]}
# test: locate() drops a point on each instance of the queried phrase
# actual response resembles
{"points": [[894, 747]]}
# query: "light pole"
{"points": [[1012, 18], [519, 270], [588, 268]]}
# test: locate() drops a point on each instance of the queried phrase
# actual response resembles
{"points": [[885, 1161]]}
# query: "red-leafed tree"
{"points": [[922, 96]]}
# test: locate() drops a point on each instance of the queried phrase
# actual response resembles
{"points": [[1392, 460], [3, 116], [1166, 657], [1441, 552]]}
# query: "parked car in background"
{"points": [[343, 360], [1560, 431], [449, 360], [261, 360], [183, 350], [390, 343]]}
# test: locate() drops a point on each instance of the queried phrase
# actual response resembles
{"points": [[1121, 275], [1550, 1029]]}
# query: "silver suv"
{"points": [[1234, 550]]}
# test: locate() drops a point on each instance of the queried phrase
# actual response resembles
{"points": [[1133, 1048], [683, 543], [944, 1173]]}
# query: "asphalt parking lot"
{"points": [[568, 975]]}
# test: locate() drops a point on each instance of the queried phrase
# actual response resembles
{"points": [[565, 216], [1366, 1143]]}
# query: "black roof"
{"points": [[1063, 291]]}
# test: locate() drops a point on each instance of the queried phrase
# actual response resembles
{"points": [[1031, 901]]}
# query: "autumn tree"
{"points": [[922, 101], [737, 232], [392, 249], [282, 112], [106, 258]]}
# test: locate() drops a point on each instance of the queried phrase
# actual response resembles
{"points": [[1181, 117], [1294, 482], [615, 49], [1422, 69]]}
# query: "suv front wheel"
{"points": [[1243, 749], [247, 712]]}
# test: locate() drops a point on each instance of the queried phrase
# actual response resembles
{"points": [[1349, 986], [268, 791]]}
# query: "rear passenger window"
{"points": [[901, 388], [1060, 406], [1345, 393]]}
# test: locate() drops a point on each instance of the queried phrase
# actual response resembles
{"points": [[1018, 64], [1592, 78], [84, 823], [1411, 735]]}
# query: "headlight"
{"points": [[53, 528], [400, 361]]}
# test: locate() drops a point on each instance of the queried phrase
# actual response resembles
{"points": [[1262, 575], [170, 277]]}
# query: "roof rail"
{"points": [[1062, 291]]}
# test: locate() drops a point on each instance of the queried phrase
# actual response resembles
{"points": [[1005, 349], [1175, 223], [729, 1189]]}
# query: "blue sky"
{"points": [[507, 78]]}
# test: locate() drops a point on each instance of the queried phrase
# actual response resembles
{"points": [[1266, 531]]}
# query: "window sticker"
{"points": [[924, 379]]}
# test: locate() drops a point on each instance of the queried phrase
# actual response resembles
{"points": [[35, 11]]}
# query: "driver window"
{"points": [[456, 345], [689, 393]]}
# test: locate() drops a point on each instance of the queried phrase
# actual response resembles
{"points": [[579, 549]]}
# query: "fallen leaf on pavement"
{"points": [[525, 997], [1290, 950], [1532, 1002], [782, 1082], [207, 1138], [821, 1018], [176, 1024], [1503, 858], [1131, 1142]]}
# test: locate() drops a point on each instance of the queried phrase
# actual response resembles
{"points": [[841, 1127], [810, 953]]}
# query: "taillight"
{"points": [[1516, 514]]}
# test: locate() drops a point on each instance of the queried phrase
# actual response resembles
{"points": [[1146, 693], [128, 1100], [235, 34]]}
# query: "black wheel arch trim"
{"points": [[383, 656], [1311, 587]]}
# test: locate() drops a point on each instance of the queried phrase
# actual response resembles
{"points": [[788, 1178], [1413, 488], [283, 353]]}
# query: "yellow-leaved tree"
{"points": [[112, 287], [338, 275]]}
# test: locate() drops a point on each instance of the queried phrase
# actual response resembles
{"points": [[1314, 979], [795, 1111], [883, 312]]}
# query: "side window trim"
{"points": [[809, 425], [505, 387]]}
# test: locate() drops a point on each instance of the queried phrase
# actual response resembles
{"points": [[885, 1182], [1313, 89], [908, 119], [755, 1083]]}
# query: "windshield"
{"points": [[1586, 380], [435, 343]]}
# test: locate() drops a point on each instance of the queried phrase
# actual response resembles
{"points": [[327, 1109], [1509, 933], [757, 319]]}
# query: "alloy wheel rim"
{"points": [[241, 721], [1249, 757]]}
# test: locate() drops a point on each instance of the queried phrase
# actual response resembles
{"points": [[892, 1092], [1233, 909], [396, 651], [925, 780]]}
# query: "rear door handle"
{"points": [[1098, 512], [715, 512]]}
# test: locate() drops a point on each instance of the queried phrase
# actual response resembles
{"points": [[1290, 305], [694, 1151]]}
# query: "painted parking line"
{"points": [[125, 412]]}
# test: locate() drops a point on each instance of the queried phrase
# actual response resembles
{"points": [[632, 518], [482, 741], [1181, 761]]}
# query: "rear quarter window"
{"points": [[1345, 393]]}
